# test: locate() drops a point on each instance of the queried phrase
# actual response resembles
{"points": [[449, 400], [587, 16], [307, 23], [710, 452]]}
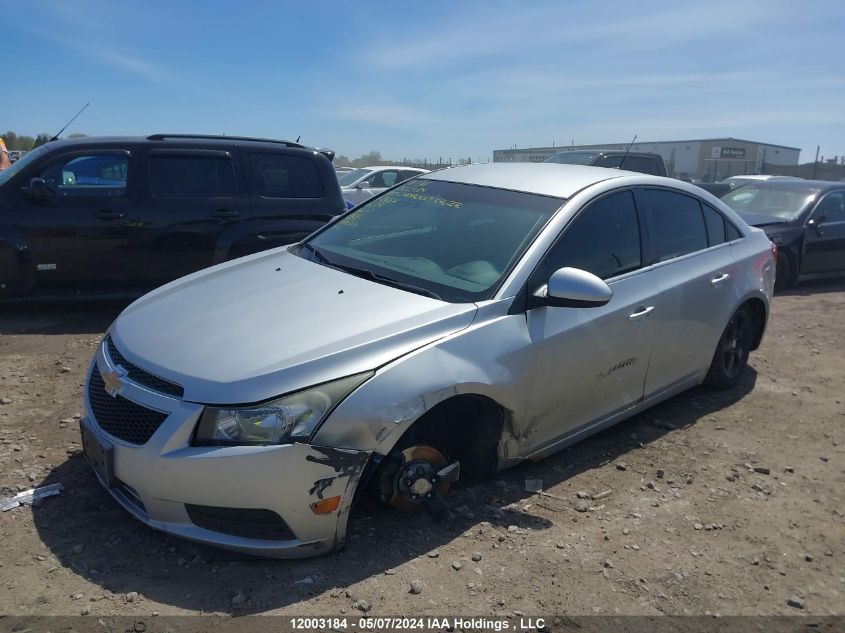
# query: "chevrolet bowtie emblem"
{"points": [[113, 382]]}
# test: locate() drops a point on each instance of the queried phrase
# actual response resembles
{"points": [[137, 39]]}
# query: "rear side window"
{"points": [[675, 223], [186, 176], [732, 232], [285, 176], [715, 225], [641, 165], [604, 239]]}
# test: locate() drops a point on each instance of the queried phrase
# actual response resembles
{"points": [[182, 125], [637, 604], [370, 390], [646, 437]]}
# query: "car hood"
{"points": [[272, 323], [757, 219]]}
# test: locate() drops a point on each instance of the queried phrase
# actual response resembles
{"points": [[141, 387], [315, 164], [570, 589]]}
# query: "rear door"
{"points": [[824, 243], [194, 203], [694, 269], [289, 198], [81, 236]]}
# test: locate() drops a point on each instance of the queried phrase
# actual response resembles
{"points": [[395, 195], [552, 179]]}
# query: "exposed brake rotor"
{"points": [[417, 479]]}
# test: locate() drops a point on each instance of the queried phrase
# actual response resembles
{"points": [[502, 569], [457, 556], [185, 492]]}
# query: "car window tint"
{"points": [[381, 179], [715, 225], [832, 207], [604, 239], [285, 176], [609, 161], [174, 176], [731, 232], [90, 175], [640, 164], [675, 223]]}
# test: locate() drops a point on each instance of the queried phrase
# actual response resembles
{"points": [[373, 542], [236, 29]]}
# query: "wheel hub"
{"points": [[414, 480]]}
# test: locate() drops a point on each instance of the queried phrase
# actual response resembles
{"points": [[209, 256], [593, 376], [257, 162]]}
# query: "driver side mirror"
{"points": [[575, 288], [816, 223], [364, 184], [38, 190]]}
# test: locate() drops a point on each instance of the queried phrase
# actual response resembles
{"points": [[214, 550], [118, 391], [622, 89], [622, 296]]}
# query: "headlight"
{"points": [[287, 419]]}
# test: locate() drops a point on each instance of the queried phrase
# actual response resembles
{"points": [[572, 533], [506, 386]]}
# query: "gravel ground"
{"points": [[714, 502]]}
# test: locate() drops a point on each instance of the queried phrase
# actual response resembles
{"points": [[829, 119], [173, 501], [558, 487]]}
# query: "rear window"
{"points": [[675, 223], [285, 176], [175, 176], [641, 164]]}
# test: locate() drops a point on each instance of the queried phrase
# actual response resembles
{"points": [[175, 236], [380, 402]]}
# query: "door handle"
{"points": [[720, 278], [641, 312], [225, 213], [107, 214]]}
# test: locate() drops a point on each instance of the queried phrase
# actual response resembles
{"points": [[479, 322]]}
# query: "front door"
{"points": [[80, 236], [589, 363], [824, 243]]}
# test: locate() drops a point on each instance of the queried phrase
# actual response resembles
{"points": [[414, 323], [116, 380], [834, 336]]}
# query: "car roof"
{"points": [[602, 151], [83, 141], [798, 184], [547, 179], [394, 167], [763, 177]]}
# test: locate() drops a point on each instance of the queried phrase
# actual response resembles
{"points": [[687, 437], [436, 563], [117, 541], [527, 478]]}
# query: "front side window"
{"points": [[191, 176], [603, 239], [285, 176], [675, 224], [831, 208], [452, 240], [98, 174]]}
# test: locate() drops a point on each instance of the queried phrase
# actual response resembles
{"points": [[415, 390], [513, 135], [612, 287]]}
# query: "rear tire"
{"points": [[732, 351]]}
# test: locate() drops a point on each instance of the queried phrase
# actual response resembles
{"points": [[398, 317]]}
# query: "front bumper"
{"points": [[160, 481]]}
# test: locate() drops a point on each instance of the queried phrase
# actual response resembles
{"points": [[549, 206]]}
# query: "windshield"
{"points": [[451, 240], [22, 162], [351, 176], [571, 158], [773, 202]]}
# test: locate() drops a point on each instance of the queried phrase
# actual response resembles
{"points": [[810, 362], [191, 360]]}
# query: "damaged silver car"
{"points": [[463, 321]]}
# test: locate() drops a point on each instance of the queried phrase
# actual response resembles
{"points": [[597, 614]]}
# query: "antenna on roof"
{"points": [[56, 137], [298, 137], [622, 162]]}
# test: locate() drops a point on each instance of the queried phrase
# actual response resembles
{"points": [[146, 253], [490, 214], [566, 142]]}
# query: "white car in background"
{"points": [[363, 183], [744, 179]]}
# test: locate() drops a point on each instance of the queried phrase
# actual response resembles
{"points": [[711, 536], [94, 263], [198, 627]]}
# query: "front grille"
{"points": [[243, 522], [142, 377], [120, 417]]}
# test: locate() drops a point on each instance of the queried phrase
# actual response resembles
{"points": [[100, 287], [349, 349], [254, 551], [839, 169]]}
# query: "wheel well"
{"points": [[467, 427], [758, 312]]}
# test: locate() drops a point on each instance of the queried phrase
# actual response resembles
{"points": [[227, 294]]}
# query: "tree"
{"points": [[41, 139]]}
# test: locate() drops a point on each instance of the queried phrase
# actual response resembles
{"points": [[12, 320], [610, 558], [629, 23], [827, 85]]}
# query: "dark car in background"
{"points": [[805, 219], [118, 216], [643, 162]]}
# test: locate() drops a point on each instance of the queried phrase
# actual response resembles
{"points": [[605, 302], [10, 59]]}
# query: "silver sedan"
{"points": [[463, 321]]}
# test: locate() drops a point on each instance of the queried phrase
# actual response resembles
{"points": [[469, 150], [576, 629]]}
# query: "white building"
{"points": [[708, 159]]}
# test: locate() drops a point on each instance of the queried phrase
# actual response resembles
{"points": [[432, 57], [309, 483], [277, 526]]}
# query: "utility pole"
{"points": [[815, 162]]}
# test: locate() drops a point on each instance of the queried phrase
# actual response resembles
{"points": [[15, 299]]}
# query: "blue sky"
{"points": [[452, 79]]}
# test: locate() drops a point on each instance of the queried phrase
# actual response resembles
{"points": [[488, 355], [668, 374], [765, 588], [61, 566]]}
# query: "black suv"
{"points": [[644, 162], [117, 216]]}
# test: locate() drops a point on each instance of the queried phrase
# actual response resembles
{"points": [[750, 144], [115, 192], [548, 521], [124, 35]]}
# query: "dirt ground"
{"points": [[711, 503]]}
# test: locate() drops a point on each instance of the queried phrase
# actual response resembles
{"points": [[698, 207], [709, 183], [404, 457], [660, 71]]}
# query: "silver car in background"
{"points": [[464, 321], [361, 184]]}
